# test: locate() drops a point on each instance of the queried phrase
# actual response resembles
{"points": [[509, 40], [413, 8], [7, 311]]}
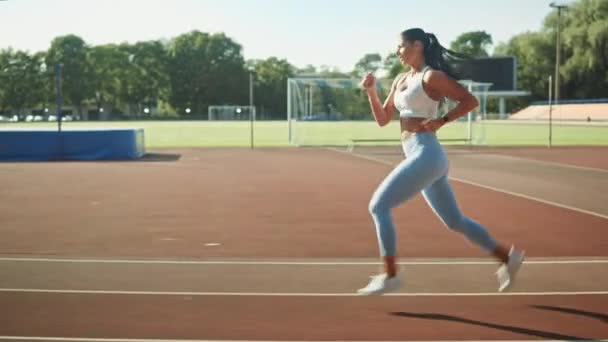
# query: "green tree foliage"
{"points": [[393, 65], [71, 51], [584, 51], [21, 82], [270, 89], [535, 62], [107, 71], [206, 70], [585, 37], [371, 62], [144, 79], [474, 44], [197, 69]]}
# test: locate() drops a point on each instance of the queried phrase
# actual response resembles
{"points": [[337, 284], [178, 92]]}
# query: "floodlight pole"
{"points": [[58, 82], [288, 111], [550, 112], [58, 68], [470, 119], [559, 8], [251, 109]]}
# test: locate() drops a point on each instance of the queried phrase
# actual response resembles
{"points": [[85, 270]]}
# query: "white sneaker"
{"points": [[380, 284], [507, 273]]}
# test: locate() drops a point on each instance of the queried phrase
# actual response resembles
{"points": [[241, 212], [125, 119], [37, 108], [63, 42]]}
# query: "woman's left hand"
{"points": [[432, 124]]}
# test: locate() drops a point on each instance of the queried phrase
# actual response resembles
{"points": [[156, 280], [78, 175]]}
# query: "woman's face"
{"points": [[407, 51]]}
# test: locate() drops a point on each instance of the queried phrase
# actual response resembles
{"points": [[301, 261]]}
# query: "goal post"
{"points": [[336, 112]]}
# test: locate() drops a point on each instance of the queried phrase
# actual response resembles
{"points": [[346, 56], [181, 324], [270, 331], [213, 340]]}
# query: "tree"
{"points": [[76, 86], [393, 65], [585, 41], [584, 62], [20, 80], [535, 62], [270, 91], [309, 69], [474, 43], [107, 64], [46, 93], [371, 62], [206, 69], [144, 78]]}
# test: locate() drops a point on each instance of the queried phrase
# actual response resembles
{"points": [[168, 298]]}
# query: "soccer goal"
{"points": [[336, 112], [231, 113]]}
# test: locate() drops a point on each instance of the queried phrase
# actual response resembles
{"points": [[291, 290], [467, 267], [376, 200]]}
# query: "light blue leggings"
{"points": [[425, 169]]}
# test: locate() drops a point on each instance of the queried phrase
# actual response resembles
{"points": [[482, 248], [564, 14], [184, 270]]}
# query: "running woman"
{"points": [[416, 96]]}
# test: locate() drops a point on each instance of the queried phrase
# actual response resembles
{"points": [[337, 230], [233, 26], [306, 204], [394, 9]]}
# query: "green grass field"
{"points": [[166, 134]]}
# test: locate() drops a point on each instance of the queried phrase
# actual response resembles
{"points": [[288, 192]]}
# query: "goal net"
{"points": [[225, 113]]}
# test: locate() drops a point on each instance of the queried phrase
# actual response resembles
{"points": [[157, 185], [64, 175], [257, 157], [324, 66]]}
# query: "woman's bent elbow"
{"points": [[474, 102], [382, 123]]}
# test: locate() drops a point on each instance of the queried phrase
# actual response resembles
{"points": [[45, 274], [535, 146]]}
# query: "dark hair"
{"points": [[435, 55]]}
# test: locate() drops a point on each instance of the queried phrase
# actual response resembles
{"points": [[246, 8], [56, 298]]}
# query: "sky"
{"points": [[331, 33]]}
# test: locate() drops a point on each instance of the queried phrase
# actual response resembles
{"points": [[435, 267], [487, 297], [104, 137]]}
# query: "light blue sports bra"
{"points": [[413, 101]]}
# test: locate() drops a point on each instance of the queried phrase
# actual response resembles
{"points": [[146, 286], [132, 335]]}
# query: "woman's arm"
{"points": [[441, 84], [383, 113]]}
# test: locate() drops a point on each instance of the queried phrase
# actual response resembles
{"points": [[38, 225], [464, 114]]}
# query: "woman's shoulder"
{"points": [[434, 75]]}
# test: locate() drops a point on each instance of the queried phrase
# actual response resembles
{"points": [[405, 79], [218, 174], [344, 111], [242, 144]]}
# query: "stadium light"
{"points": [[559, 6], [251, 108]]}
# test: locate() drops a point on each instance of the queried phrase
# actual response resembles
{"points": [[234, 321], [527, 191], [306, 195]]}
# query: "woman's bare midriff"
{"points": [[410, 126]]}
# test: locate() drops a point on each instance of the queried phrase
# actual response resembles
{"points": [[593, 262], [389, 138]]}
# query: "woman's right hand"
{"points": [[369, 81]]}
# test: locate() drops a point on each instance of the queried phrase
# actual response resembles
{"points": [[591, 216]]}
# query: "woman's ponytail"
{"points": [[435, 55]]}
